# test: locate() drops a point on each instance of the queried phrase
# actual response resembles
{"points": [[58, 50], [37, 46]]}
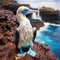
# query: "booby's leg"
{"points": [[24, 50], [21, 53]]}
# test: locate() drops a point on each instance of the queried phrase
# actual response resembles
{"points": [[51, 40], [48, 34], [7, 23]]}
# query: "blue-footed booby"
{"points": [[25, 33]]}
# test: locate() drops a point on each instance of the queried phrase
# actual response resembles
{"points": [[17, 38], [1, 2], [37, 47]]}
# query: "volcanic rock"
{"points": [[42, 53], [7, 27]]}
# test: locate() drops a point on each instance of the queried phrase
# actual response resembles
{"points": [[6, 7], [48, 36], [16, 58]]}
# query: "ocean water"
{"points": [[50, 35]]}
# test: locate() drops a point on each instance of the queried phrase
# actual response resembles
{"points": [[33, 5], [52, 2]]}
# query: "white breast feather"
{"points": [[26, 33]]}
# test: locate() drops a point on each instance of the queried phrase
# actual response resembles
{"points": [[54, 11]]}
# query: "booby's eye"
{"points": [[25, 11]]}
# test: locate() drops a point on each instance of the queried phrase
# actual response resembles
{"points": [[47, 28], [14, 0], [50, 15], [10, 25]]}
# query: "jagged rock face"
{"points": [[7, 27], [52, 17]]}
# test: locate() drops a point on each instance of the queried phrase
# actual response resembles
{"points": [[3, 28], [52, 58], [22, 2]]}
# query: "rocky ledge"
{"points": [[8, 24], [43, 53]]}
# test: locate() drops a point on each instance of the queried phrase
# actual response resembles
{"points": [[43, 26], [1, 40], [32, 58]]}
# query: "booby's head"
{"points": [[25, 10]]}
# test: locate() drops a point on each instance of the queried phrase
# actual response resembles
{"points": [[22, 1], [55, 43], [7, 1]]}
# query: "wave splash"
{"points": [[50, 35]]}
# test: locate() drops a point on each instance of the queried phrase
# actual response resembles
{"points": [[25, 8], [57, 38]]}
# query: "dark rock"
{"points": [[36, 23], [52, 17]]}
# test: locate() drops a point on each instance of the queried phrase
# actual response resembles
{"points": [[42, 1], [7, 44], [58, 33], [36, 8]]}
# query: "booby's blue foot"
{"points": [[21, 54], [31, 52]]}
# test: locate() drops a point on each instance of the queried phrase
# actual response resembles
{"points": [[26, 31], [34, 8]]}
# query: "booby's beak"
{"points": [[31, 11]]}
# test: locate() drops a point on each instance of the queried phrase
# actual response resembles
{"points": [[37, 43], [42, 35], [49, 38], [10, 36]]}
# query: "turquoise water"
{"points": [[50, 35]]}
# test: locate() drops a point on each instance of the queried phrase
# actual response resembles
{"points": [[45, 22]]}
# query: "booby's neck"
{"points": [[20, 17]]}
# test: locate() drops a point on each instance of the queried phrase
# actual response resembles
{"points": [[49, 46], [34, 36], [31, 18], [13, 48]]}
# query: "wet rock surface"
{"points": [[8, 24]]}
